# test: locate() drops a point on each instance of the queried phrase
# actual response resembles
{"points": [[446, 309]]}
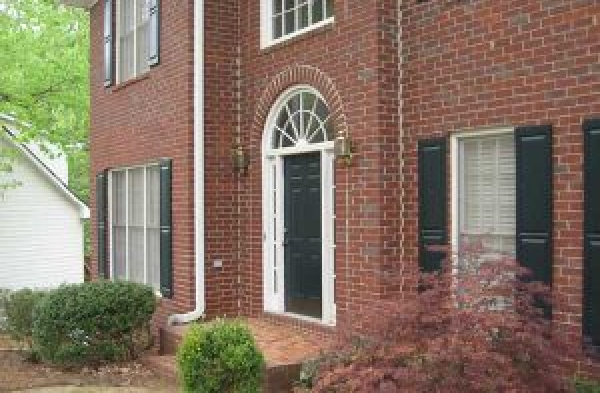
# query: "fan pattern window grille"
{"points": [[303, 119]]}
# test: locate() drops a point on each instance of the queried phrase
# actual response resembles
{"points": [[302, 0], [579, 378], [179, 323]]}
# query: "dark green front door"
{"points": [[302, 222]]}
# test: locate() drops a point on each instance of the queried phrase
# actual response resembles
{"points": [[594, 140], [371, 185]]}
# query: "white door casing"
{"points": [[273, 201]]}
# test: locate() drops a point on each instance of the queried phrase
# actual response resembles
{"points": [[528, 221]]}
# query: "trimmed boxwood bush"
{"points": [[16, 314], [93, 323], [220, 357]]}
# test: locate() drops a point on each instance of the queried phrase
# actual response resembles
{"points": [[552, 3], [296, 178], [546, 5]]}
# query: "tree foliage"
{"points": [[44, 80], [474, 329]]}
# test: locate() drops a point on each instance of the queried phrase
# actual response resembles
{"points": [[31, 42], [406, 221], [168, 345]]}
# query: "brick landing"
{"points": [[284, 346]]}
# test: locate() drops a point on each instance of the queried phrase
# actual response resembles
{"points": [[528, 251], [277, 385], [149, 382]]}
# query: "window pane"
{"points": [[308, 101], [142, 17], [488, 189], [118, 224], [126, 29], [294, 104], [321, 110], [317, 11], [289, 4], [277, 27], [153, 222], [290, 19], [136, 225], [328, 8], [303, 17], [277, 6], [286, 142]]}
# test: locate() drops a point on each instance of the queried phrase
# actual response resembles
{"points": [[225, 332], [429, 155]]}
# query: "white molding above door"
{"points": [[273, 216]]}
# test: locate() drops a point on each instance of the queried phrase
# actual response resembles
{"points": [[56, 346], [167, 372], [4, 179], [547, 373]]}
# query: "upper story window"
{"points": [[284, 19], [135, 25], [133, 18]]}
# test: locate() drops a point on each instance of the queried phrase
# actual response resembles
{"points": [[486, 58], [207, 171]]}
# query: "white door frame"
{"points": [[273, 217]]}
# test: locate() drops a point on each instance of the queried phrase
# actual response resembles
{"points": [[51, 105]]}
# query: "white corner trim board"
{"points": [[200, 306]]}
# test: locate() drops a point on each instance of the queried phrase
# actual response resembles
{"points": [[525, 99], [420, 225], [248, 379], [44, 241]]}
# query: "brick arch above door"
{"points": [[296, 75]]}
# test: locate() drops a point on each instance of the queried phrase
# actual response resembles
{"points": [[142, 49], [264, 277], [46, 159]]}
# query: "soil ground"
{"points": [[17, 374]]}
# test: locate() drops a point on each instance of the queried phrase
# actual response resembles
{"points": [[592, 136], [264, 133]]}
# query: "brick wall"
{"points": [[149, 118], [475, 64], [353, 64], [464, 65]]}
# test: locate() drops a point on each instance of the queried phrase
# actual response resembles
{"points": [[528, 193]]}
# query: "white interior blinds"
{"points": [[488, 192], [135, 211]]}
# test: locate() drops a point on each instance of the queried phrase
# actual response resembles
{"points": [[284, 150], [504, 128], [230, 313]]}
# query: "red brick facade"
{"points": [[476, 64], [149, 118], [392, 73]]}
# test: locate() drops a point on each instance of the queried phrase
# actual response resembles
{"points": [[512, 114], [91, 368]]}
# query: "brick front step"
{"points": [[285, 348], [278, 379]]}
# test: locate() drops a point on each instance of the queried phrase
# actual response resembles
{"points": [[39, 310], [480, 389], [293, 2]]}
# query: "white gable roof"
{"points": [[46, 170]]}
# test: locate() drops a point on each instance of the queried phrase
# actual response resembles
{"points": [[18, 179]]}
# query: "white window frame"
{"points": [[456, 176], [117, 70], [266, 26], [273, 222], [110, 221]]}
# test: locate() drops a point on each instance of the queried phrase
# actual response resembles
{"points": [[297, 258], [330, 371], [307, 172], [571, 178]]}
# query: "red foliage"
{"points": [[475, 329]]}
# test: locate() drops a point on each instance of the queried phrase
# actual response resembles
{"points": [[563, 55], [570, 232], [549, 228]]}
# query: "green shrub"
{"points": [[18, 314], [220, 357], [93, 323], [583, 385]]}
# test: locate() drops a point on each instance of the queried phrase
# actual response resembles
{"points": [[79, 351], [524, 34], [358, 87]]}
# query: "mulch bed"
{"points": [[16, 373]]}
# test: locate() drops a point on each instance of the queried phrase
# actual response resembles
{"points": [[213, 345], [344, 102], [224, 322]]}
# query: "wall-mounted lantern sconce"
{"points": [[239, 157], [344, 148]]}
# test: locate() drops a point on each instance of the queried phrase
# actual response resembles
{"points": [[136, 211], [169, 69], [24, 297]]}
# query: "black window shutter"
{"points": [[534, 200], [108, 44], [101, 222], [154, 33], [166, 230], [591, 279], [433, 202]]}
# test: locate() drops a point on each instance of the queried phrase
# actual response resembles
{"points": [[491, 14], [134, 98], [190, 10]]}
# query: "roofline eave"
{"points": [[87, 4]]}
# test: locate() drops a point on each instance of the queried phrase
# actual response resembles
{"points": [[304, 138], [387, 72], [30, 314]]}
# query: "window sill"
{"points": [[131, 81], [308, 32]]}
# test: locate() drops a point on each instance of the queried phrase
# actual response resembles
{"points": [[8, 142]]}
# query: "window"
{"points": [[303, 119], [284, 18], [487, 193], [135, 225], [137, 38], [133, 18]]}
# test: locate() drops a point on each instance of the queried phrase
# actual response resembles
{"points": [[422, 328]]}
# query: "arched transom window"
{"points": [[302, 119]]}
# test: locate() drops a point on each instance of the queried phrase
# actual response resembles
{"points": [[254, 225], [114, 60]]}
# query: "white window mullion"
{"points": [[118, 42], [135, 21], [111, 236], [145, 204], [127, 225]]}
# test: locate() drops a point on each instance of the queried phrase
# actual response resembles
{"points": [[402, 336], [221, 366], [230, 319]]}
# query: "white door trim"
{"points": [[273, 218]]}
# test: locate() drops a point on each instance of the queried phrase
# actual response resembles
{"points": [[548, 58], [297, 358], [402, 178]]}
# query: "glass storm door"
{"points": [[302, 234]]}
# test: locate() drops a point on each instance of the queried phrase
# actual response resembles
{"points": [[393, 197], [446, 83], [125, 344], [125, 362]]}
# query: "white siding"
{"points": [[41, 232], [53, 158]]}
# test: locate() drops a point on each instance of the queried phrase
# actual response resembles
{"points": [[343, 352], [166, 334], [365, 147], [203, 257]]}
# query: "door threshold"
{"points": [[300, 317]]}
